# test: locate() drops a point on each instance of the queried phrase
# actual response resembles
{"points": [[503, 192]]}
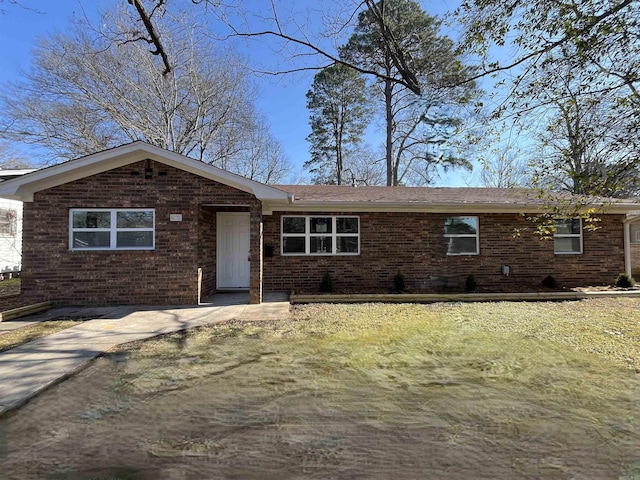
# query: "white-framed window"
{"points": [[111, 229], [320, 235], [635, 233], [8, 222], [462, 235], [567, 238]]}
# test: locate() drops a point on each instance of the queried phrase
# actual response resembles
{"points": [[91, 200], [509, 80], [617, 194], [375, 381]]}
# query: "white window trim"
{"points": [[307, 236], [113, 229], [465, 235], [568, 235]]}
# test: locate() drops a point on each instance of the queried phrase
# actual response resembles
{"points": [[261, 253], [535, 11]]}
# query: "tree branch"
{"points": [[153, 35]]}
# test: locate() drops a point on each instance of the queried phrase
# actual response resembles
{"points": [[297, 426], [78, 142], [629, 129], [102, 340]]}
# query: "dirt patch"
{"points": [[358, 391]]}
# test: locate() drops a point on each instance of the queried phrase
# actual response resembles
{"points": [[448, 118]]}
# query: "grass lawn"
{"points": [[9, 287], [455, 391]]}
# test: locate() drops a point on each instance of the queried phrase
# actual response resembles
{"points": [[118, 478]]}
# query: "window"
{"points": [[321, 235], [8, 222], [121, 229], [462, 235], [635, 233], [567, 238]]}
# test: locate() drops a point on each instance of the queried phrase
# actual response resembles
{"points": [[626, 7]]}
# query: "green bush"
{"points": [[549, 282], [470, 284], [399, 282], [625, 281], [326, 284]]}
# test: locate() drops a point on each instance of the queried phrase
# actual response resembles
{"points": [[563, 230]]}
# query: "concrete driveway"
{"points": [[30, 368]]}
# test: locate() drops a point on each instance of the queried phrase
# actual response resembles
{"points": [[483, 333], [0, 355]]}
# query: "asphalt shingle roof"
{"points": [[422, 195]]}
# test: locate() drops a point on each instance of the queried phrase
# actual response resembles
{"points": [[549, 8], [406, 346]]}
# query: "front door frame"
{"points": [[219, 256]]}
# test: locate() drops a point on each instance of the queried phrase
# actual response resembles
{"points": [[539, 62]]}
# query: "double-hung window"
{"points": [[461, 234], [8, 222], [115, 229], [567, 238], [320, 235]]}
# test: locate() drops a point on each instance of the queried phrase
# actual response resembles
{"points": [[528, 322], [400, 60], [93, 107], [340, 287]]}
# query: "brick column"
{"points": [[255, 253]]}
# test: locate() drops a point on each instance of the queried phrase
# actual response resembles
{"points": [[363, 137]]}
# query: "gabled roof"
{"points": [[24, 187], [440, 199]]}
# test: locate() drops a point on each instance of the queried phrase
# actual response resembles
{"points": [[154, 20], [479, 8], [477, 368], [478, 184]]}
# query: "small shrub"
{"points": [[327, 284], [549, 282], [399, 282], [470, 284], [625, 281]]}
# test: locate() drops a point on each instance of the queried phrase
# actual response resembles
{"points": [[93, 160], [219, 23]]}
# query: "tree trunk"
{"points": [[391, 178]]}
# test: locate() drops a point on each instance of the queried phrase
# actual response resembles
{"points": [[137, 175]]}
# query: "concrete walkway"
{"points": [[30, 368]]}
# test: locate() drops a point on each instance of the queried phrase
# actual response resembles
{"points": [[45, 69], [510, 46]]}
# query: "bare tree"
{"points": [[365, 167], [262, 158], [10, 158], [295, 36], [92, 89], [506, 170]]}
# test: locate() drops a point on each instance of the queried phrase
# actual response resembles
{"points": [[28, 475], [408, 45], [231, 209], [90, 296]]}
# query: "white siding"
{"points": [[11, 243]]}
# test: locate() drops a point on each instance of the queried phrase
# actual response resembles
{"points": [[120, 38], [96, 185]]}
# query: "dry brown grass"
{"points": [[456, 391]]}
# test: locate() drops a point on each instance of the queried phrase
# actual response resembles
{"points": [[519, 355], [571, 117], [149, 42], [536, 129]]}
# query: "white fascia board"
{"points": [[468, 208], [23, 188]]}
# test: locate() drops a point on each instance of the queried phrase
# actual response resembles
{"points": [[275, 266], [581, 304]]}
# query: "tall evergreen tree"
{"points": [[418, 128], [340, 112]]}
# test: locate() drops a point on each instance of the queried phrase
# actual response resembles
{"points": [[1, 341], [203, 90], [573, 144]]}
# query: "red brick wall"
{"points": [[207, 251], [413, 243], [165, 275]]}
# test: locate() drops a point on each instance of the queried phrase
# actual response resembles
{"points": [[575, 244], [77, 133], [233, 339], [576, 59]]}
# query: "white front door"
{"points": [[232, 239]]}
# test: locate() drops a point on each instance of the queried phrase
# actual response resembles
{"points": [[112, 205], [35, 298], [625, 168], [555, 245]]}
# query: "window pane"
{"points": [[347, 245], [91, 219], [293, 245], [634, 233], [321, 225], [134, 219], [457, 245], [134, 239], [8, 220], [91, 239], [293, 225], [568, 227], [347, 225], [320, 245], [566, 245], [461, 225]]}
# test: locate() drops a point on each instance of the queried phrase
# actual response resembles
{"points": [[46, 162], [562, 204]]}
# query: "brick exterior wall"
{"points": [[413, 243], [165, 275]]}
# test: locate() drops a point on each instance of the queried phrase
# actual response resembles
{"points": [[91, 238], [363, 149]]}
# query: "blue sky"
{"points": [[282, 98]]}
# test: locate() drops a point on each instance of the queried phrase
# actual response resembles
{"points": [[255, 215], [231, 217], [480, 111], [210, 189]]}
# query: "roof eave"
{"points": [[23, 188], [341, 206]]}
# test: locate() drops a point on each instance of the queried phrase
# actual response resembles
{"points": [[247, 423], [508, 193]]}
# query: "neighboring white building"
{"points": [[11, 227]]}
